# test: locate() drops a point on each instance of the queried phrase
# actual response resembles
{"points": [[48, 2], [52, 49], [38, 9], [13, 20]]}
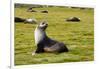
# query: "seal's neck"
{"points": [[39, 35]]}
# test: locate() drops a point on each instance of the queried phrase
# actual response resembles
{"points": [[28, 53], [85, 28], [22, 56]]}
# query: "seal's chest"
{"points": [[39, 35]]}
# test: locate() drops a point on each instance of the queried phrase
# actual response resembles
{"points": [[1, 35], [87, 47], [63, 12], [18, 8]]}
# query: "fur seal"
{"points": [[46, 44], [31, 21], [18, 19], [31, 10], [44, 11], [73, 19]]}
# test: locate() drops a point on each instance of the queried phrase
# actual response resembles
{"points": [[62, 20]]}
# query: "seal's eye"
{"points": [[43, 23]]}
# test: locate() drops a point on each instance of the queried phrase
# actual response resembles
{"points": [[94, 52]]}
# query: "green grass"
{"points": [[79, 36]]}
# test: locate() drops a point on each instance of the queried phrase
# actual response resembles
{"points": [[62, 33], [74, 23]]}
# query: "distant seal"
{"points": [[30, 21], [44, 11], [46, 44], [18, 19], [31, 10], [73, 19]]}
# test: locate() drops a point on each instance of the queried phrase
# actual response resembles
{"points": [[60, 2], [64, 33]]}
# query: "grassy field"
{"points": [[79, 36]]}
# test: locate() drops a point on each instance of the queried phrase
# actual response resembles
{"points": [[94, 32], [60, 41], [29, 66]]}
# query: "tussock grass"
{"points": [[78, 36]]}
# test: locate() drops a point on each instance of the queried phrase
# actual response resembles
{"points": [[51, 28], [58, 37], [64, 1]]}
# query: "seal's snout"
{"points": [[43, 25], [46, 24]]}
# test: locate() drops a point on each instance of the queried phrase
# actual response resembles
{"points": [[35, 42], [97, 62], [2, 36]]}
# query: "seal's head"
{"points": [[43, 25]]}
